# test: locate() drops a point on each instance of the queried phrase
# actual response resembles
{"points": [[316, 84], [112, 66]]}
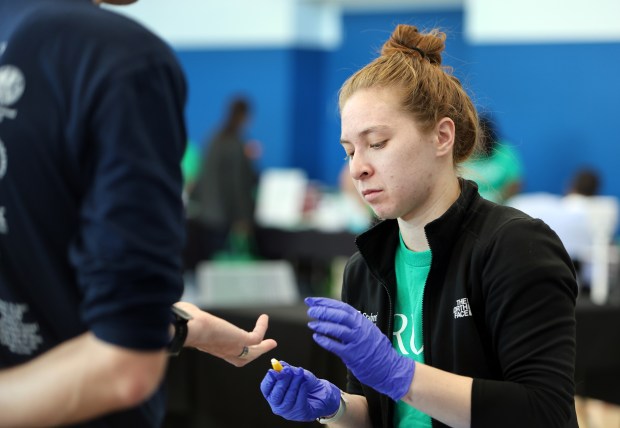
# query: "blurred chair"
{"points": [[602, 214]]}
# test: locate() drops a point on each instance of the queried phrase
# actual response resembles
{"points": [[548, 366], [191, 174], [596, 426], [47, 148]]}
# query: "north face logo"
{"points": [[462, 308]]}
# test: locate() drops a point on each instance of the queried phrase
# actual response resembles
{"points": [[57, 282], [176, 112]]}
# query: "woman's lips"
{"points": [[370, 195]]}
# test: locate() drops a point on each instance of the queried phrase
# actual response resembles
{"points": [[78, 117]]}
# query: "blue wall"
{"points": [[559, 104], [284, 88], [263, 76]]}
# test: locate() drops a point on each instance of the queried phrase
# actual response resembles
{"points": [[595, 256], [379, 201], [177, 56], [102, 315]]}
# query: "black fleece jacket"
{"points": [[499, 306]]}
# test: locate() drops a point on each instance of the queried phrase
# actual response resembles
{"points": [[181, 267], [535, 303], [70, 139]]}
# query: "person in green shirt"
{"points": [[190, 165], [497, 167]]}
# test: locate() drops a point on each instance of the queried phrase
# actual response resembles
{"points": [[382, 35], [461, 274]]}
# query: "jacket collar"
{"points": [[378, 245]]}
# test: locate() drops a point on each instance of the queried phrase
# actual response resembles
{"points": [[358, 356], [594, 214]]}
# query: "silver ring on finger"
{"points": [[244, 352]]}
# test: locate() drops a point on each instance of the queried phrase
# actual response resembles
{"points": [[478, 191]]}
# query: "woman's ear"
{"points": [[445, 137]]}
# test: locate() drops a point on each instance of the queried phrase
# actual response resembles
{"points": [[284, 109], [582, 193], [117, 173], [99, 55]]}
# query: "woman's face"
{"points": [[394, 166]]}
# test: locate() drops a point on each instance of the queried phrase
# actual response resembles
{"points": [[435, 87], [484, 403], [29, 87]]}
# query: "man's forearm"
{"points": [[78, 380]]}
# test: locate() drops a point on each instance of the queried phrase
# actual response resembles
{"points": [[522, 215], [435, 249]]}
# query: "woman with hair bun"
{"points": [[455, 311]]}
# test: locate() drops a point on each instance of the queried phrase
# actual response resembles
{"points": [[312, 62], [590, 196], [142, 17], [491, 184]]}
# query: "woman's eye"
{"points": [[378, 145], [348, 157]]}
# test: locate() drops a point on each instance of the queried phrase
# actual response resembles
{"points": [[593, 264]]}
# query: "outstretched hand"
{"points": [[365, 350], [225, 340]]}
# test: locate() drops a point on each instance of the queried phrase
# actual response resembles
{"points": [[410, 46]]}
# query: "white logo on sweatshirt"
{"points": [[4, 228], [12, 86], [3, 160], [371, 316], [462, 308], [20, 337]]}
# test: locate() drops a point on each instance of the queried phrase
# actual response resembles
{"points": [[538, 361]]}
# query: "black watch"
{"points": [[181, 318]]}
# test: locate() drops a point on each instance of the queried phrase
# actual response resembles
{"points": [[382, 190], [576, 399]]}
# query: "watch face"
{"points": [[181, 313]]}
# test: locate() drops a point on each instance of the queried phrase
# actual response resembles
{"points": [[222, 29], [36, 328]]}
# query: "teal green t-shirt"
{"points": [[411, 272]]}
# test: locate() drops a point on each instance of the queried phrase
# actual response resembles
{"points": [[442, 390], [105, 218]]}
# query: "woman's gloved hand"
{"points": [[366, 351], [297, 395]]}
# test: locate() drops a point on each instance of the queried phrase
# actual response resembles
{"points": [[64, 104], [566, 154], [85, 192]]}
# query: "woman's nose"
{"points": [[359, 167]]}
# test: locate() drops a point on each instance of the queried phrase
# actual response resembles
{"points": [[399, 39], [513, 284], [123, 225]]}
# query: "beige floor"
{"points": [[597, 414]]}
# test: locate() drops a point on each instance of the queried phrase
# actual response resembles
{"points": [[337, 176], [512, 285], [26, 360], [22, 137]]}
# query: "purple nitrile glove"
{"points": [[298, 395], [365, 350]]}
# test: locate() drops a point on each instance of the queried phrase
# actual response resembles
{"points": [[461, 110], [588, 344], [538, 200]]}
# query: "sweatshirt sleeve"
{"points": [[128, 252], [530, 292]]}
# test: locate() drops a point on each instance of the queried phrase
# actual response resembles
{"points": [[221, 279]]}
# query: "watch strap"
{"points": [[337, 415], [181, 318]]}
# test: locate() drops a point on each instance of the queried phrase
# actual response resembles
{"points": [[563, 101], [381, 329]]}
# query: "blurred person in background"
{"points": [[585, 182], [92, 221], [190, 166], [576, 226], [496, 168], [455, 311], [223, 198], [569, 215]]}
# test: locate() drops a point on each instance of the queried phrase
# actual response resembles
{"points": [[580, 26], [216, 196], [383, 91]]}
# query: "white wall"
{"points": [[239, 23], [226, 24], [542, 21]]}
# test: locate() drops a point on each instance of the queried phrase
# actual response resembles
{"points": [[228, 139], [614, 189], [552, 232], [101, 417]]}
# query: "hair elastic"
{"points": [[418, 50]]}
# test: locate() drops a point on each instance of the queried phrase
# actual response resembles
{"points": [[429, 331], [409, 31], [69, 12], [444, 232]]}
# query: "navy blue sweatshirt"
{"points": [[91, 216]]}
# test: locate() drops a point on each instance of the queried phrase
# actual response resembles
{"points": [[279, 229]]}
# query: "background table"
{"points": [[597, 368], [207, 392]]}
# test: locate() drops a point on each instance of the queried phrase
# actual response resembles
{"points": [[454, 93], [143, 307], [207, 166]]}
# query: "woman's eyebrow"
{"points": [[366, 132]]}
